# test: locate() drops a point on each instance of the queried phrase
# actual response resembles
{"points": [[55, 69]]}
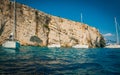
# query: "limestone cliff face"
{"points": [[34, 27]]}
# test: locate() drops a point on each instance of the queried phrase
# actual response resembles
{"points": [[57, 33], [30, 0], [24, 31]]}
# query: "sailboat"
{"points": [[11, 42], [80, 45], [117, 44]]}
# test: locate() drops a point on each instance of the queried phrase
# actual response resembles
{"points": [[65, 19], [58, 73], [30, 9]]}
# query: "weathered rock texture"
{"points": [[34, 27]]}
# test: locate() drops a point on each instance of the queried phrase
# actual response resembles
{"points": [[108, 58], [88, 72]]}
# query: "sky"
{"points": [[96, 13]]}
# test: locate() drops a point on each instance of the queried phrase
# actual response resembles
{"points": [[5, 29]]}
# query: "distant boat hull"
{"points": [[80, 46], [113, 46], [54, 45], [11, 44]]}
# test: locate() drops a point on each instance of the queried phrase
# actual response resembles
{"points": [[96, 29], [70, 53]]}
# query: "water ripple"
{"points": [[59, 61]]}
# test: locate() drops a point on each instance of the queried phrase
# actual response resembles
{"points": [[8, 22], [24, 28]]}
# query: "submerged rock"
{"points": [[34, 27]]}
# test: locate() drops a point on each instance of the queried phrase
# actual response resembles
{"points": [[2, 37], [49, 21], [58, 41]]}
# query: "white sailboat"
{"points": [[117, 44], [11, 42], [79, 45]]}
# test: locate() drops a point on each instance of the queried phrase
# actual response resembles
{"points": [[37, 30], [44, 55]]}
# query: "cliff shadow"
{"points": [[42, 28], [3, 23]]}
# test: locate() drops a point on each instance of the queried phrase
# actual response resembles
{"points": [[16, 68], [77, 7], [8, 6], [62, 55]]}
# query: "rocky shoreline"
{"points": [[36, 28]]}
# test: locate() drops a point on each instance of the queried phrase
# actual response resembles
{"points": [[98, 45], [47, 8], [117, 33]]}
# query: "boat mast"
{"points": [[116, 31], [81, 18], [14, 25], [118, 26]]}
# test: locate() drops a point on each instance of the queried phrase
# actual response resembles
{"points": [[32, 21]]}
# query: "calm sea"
{"points": [[59, 61]]}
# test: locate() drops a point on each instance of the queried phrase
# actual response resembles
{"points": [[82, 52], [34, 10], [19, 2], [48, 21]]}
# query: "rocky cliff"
{"points": [[34, 27]]}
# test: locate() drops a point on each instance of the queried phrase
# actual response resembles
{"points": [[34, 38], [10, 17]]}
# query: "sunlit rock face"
{"points": [[36, 28]]}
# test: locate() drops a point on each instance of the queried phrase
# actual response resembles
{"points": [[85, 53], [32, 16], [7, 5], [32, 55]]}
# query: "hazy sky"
{"points": [[96, 13]]}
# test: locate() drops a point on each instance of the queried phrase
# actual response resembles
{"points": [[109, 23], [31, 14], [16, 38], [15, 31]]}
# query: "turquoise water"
{"points": [[59, 61]]}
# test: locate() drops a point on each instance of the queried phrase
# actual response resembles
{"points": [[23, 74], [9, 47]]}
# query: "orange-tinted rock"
{"points": [[46, 28]]}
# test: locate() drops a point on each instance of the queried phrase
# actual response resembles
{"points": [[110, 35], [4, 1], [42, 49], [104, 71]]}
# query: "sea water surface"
{"points": [[59, 61]]}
